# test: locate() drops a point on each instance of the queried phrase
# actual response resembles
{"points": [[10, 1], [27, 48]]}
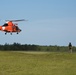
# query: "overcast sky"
{"points": [[50, 22]]}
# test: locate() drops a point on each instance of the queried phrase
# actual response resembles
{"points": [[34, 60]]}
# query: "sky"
{"points": [[50, 22]]}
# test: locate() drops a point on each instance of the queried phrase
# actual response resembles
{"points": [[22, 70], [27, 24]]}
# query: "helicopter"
{"points": [[10, 26]]}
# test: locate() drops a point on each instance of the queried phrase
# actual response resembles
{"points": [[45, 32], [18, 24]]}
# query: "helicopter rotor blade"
{"points": [[17, 20]]}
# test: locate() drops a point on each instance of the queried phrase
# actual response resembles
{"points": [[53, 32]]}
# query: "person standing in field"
{"points": [[70, 47]]}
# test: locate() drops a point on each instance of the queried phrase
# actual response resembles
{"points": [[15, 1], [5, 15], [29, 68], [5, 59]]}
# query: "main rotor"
{"points": [[15, 20]]}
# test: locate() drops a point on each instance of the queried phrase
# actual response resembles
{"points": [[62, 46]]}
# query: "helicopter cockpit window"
{"points": [[5, 24]]}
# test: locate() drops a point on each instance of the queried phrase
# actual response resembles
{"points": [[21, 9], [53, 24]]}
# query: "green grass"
{"points": [[37, 63]]}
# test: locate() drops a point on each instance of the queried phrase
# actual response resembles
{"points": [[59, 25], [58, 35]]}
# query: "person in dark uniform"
{"points": [[70, 47]]}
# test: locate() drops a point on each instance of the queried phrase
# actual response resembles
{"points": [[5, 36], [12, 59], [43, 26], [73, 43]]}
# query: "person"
{"points": [[70, 47]]}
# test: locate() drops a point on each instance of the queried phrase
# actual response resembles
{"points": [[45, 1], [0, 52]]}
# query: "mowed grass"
{"points": [[37, 63]]}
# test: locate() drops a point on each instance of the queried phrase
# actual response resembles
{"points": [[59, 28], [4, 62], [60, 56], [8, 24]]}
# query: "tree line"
{"points": [[28, 47], [18, 46]]}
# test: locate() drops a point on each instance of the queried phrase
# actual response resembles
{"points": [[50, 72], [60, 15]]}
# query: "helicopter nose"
{"points": [[20, 30]]}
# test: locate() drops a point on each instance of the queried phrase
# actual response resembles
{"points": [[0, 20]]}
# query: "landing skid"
{"points": [[11, 33], [17, 32], [5, 33]]}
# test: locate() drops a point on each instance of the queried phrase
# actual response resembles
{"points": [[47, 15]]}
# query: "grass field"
{"points": [[37, 63]]}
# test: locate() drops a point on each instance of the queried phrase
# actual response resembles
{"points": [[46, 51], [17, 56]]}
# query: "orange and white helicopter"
{"points": [[10, 27]]}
